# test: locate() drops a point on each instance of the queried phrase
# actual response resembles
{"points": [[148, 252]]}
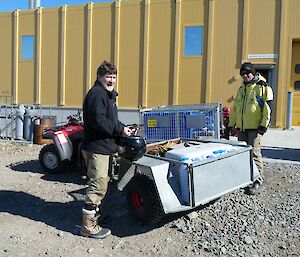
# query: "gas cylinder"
{"points": [[20, 111], [29, 123]]}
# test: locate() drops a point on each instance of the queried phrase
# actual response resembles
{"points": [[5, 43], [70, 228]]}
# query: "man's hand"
{"points": [[261, 130], [127, 132]]}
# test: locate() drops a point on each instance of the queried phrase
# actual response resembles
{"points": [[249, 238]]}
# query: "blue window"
{"points": [[193, 40], [297, 85], [27, 44]]}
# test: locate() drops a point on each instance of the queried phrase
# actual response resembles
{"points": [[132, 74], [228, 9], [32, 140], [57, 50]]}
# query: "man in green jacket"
{"points": [[251, 114]]}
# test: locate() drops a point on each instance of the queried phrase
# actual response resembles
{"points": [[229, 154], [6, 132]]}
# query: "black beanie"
{"points": [[246, 67]]}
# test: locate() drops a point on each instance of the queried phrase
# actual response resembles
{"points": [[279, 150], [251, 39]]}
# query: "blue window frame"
{"points": [[27, 44], [193, 40], [297, 68]]}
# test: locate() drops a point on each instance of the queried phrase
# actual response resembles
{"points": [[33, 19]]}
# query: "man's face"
{"points": [[108, 81], [247, 76]]}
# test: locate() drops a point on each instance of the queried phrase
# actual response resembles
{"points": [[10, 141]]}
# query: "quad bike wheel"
{"points": [[50, 160], [143, 200]]}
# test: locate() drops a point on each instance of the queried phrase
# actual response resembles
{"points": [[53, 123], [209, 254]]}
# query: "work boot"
{"points": [[101, 218], [254, 189], [90, 228]]}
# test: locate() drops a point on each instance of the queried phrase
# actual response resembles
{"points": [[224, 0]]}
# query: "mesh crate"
{"points": [[197, 124], [160, 125], [191, 121]]}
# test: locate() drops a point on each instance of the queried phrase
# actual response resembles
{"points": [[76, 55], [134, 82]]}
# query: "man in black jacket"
{"points": [[101, 129]]}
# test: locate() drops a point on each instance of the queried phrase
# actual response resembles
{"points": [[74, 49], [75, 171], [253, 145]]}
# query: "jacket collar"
{"points": [[253, 81]]}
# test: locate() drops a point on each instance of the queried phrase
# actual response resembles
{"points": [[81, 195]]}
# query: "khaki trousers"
{"points": [[98, 166], [251, 137]]}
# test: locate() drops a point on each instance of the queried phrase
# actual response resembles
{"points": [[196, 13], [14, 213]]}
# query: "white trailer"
{"points": [[159, 185]]}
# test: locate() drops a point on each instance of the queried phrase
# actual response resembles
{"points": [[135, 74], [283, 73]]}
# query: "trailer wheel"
{"points": [[143, 200], [50, 160]]}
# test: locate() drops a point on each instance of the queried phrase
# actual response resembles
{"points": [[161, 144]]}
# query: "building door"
{"points": [[268, 72], [295, 82]]}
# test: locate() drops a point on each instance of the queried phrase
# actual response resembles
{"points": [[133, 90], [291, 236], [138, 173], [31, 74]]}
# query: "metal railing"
{"points": [[19, 122]]}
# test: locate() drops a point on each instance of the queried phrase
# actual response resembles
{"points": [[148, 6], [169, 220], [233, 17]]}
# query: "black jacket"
{"points": [[101, 124]]}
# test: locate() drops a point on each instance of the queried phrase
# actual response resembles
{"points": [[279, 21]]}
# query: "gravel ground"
{"points": [[40, 216]]}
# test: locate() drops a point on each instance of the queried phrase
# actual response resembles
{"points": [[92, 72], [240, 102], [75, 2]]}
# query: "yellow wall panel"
{"points": [[161, 49], [27, 22], [26, 82], [191, 80], [227, 44], [75, 56], [6, 52], [264, 27], [193, 11], [294, 20], [131, 55], [50, 57], [102, 35]]}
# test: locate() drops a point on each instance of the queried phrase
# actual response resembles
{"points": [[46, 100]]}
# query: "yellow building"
{"points": [[167, 52]]}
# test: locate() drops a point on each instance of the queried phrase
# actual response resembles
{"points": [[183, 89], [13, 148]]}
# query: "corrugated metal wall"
{"points": [[130, 54], [6, 53], [145, 39], [26, 67], [191, 76], [50, 64]]}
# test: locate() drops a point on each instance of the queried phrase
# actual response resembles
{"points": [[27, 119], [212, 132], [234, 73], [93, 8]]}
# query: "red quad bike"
{"points": [[65, 149]]}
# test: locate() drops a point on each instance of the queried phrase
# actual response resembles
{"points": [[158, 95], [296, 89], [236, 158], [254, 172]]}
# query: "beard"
{"points": [[109, 87]]}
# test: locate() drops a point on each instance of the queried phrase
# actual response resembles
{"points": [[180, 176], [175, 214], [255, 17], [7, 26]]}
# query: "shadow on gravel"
{"points": [[63, 216], [67, 216], [123, 222], [71, 175], [279, 153]]}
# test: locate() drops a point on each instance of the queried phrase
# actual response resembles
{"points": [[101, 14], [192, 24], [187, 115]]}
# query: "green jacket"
{"points": [[251, 107]]}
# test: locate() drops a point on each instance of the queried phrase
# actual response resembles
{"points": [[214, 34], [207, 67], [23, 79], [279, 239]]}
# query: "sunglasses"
{"points": [[245, 73]]}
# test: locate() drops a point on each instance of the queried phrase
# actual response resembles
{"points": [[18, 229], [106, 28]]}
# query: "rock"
{"points": [[260, 217], [90, 250], [247, 239], [283, 247], [118, 245], [192, 215], [207, 225], [60, 234], [168, 240], [223, 250], [181, 226]]}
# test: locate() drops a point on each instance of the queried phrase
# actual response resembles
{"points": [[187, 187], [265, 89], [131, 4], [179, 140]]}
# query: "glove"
{"points": [[261, 130], [227, 132], [233, 131]]}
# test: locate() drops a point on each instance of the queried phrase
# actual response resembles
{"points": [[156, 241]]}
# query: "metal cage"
{"points": [[184, 121]]}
